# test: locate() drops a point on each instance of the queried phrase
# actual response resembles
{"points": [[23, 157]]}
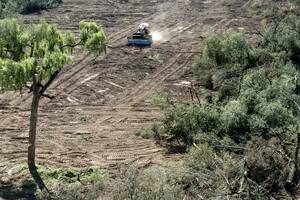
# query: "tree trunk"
{"points": [[36, 88], [33, 121]]}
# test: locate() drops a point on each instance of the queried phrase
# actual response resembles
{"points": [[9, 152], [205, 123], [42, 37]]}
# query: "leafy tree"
{"points": [[230, 49], [224, 56], [32, 56]]}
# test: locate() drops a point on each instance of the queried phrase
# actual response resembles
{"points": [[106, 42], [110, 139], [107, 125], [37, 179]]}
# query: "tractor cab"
{"points": [[141, 37]]}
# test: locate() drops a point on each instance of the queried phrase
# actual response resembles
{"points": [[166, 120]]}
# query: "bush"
{"points": [[283, 37], [183, 122], [36, 5], [229, 88], [235, 121], [149, 184], [250, 99], [211, 174], [145, 133], [162, 99], [72, 184], [230, 49], [275, 115], [9, 8]]}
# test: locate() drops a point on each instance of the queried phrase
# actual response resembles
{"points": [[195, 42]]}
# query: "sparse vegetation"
{"points": [[154, 183], [72, 184], [62, 184]]}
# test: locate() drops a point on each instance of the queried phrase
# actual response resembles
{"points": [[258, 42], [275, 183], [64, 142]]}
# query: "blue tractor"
{"points": [[142, 37]]}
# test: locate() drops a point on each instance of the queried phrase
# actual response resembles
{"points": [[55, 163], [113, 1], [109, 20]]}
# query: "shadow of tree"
{"points": [[37, 178], [24, 191]]}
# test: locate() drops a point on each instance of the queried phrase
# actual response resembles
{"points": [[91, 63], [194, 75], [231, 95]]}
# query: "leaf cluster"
{"points": [[40, 49]]}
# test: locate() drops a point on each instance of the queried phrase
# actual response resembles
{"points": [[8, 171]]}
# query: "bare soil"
{"points": [[101, 102]]}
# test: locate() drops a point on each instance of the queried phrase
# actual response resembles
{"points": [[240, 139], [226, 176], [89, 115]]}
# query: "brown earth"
{"points": [[101, 102]]}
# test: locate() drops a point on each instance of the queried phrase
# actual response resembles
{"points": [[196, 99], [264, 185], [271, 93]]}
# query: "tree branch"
{"points": [[29, 88], [71, 45], [50, 81], [47, 96]]}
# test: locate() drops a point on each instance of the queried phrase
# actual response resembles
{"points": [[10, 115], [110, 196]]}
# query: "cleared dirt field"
{"points": [[101, 102]]}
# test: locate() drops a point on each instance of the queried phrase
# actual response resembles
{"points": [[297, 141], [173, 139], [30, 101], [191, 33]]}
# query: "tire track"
{"points": [[93, 134], [154, 82], [105, 145]]}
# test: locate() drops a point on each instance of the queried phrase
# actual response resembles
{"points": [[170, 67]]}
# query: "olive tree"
{"points": [[32, 56]]}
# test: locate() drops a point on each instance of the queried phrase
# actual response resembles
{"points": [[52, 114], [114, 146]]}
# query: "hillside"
{"points": [[100, 103]]}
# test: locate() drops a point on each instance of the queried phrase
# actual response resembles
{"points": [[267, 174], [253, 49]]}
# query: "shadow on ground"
{"points": [[24, 191]]}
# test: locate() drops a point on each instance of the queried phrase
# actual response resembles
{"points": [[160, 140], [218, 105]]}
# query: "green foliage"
{"points": [[235, 120], [93, 37], [145, 133], [275, 115], [282, 37], [162, 99], [62, 183], [208, 170], [69, 183], [40, 49], [230, 49], [229, 89], [36, 5], [242, 143], [149, 184], [183, 122], [224, 56], [9, 8], [85, 176]]}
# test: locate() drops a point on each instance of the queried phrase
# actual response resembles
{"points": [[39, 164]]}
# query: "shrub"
{"points": [[255, 80], [149, 184], [231, 49], [145, 133], [36, 5], [229, 88], [183, 122], [250, 99], [211, 174], [275, 115], [72, 184], [283, 37], [235, 121], [162, 99]]}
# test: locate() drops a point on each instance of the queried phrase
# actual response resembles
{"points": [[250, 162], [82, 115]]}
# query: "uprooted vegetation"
{"points": [[243, 138]]}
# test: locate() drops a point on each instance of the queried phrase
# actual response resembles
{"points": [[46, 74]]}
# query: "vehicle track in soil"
{"points": [[100, 103], [107, 144], [80, 66]]}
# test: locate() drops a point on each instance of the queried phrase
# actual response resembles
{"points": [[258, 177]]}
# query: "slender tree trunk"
{"points": [[33, 121], [32, 133]]}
